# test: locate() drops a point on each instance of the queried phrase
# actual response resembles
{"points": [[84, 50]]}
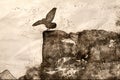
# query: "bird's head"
{"points": [[53, 25]]}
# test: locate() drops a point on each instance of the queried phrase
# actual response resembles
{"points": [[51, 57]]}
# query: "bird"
{"points": [[48, 20]]}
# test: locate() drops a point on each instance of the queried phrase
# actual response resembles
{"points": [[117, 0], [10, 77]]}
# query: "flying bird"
{"points": [[48, 20]]}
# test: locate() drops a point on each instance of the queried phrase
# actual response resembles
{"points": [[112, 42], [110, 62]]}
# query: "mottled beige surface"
{"points": [[21, 44]]}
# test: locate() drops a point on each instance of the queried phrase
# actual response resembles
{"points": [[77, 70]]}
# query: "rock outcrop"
{"points": [[31, 74], [90, 54], [6, 75]]}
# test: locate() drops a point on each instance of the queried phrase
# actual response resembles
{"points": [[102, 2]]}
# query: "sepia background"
{"points": [[21, 44]]}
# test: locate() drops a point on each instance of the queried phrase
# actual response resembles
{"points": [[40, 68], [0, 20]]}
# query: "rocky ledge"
{"points": [[90, 54]]}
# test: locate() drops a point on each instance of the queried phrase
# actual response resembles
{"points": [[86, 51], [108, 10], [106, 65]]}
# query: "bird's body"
{"points": [[48, 20]]}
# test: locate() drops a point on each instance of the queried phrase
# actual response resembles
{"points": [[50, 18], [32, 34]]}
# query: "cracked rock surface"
{"points": [[90, 54]]}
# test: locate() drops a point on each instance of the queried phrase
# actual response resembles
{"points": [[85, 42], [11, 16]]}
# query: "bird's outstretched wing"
{"points": [[38, 23], [50, 15]]}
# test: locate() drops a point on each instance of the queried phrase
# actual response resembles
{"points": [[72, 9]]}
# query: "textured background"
{"points": [[21, 44]]}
